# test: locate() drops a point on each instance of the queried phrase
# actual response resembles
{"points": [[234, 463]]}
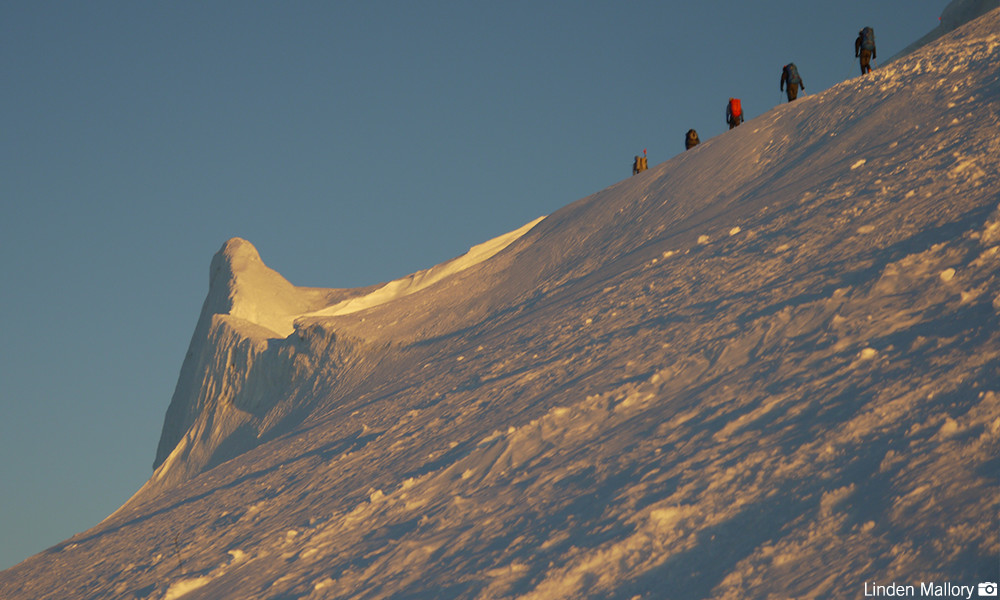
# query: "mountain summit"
{"points": [[768, 367]]}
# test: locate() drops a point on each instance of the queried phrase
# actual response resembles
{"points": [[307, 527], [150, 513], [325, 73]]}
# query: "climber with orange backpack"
{"points": [[734, 112]]}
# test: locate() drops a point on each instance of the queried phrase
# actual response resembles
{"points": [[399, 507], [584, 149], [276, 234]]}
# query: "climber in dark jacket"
{"points": [[691, 139], [791, 81], [864, 48]]}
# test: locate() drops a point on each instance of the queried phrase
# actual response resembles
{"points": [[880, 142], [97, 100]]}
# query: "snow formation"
{"points": [[223, 405], [769, 367]]}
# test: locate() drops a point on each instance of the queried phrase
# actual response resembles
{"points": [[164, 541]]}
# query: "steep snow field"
{"points": [[769, 367]]}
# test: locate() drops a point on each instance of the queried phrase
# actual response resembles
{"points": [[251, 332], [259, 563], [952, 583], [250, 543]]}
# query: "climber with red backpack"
{"points": [[790, 79], [864, 48], [734, 112]]}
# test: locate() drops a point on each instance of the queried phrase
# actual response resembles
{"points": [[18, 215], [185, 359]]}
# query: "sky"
{"points": [[351, 142]]}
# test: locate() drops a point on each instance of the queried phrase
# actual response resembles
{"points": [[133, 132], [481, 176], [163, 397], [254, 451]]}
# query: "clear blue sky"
{"points": [[352, 142]]}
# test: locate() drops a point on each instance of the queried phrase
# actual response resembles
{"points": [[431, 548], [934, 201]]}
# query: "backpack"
{"points": [[792, 74], [868, 38], [734, 108], [691, 139]]}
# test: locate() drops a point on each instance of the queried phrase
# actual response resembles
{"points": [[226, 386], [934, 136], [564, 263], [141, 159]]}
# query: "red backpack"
{"points": [[734, 107]]}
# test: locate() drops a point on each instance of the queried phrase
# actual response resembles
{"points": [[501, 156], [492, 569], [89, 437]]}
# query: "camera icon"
{"points": [[988, 589]]}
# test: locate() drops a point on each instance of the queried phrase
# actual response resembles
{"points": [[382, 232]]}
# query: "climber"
{"points": [[791, 81], [691, 139], [734, 112], [639, 164], [864, 48]]}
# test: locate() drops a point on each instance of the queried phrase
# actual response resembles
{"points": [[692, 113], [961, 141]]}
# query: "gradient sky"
{"points": [[351, 142]]}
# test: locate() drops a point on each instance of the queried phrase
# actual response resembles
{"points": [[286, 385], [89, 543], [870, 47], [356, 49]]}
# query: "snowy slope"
{"points": [[769, 367]]}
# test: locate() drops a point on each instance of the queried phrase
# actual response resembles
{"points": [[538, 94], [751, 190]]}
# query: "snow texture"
{"points": [[780, 382]]}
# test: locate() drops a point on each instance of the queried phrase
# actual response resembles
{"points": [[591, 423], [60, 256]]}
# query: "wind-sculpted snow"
{"points": [[767, 368], [248, 307], [256, 341]]}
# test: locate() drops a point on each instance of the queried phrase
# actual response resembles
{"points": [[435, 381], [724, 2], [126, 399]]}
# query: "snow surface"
{"points": [[769, 367]]}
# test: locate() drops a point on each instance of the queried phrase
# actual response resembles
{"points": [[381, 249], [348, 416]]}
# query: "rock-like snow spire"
{"points": [[224, 399], [241, 285], [248, 303]]}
